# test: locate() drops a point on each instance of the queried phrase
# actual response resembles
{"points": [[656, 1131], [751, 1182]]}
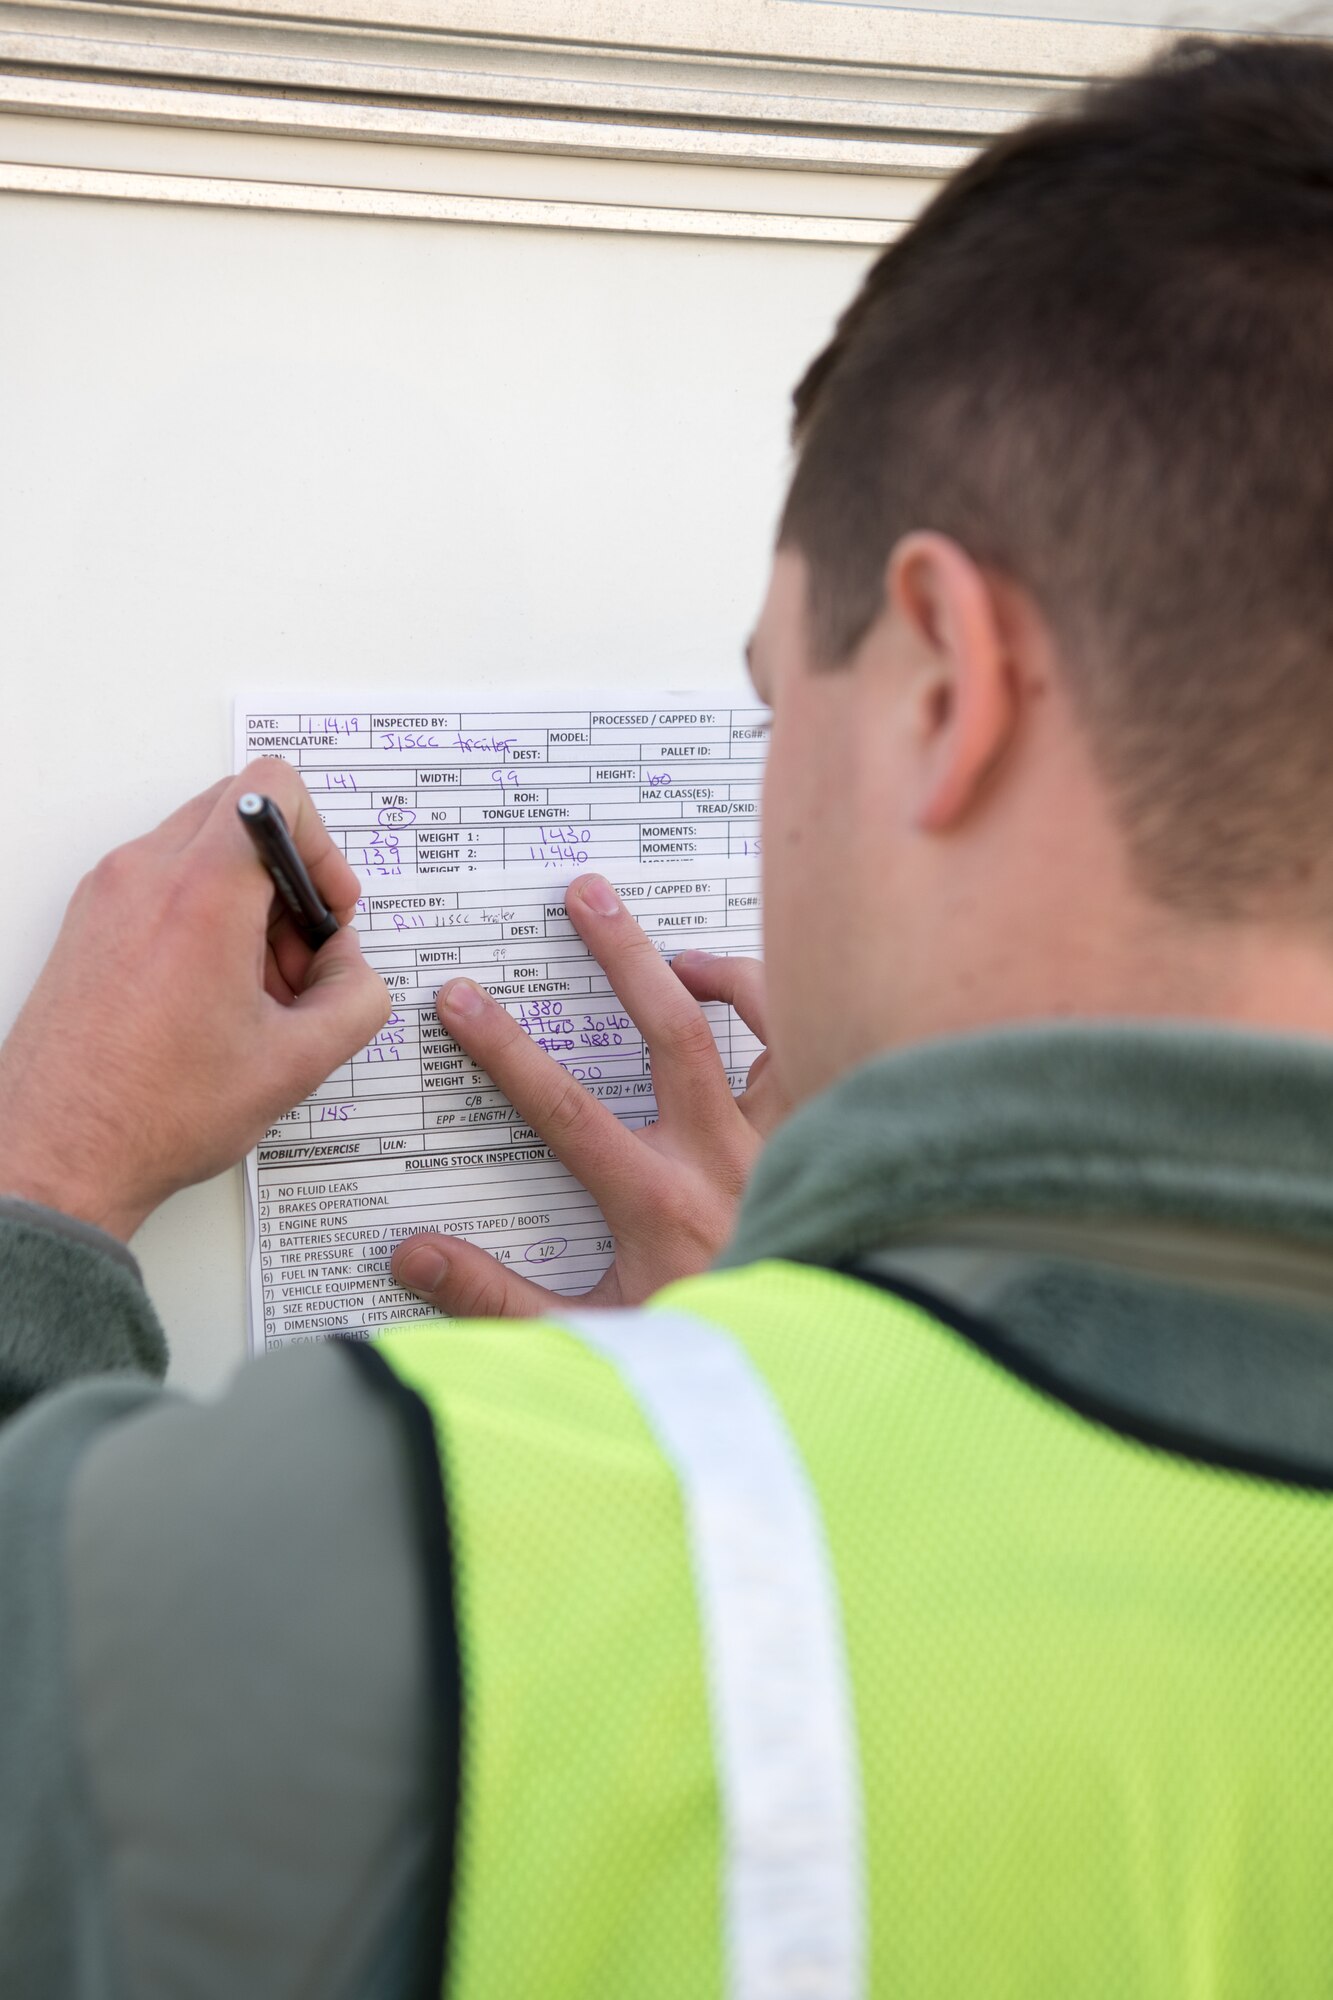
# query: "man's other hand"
{"points": [[669, 1192], [179, 1013]]}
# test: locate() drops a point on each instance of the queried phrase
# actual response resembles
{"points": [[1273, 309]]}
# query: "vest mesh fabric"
{"points": [[588, 1859], [1089, 1674]]}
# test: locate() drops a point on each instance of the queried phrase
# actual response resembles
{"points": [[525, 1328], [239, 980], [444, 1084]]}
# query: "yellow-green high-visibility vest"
{"points": [[810, 1651]]}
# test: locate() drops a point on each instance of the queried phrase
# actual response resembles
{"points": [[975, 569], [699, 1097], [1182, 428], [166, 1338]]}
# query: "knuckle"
{"points": [[747, 987], [182, 896], [117, 872], [477, 1294], [372, 1011], [383, 1004], [502, 1032], [628, 946], [676, 1206], [685, 1217], [568, 1108], [733, 1174], [689, 1039], [742, 975]]}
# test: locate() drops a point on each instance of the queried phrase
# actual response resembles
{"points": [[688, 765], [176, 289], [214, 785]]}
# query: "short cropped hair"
{"points": [[1102, 360]]}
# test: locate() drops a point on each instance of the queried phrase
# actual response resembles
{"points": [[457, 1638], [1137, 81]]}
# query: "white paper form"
{"points": [[562, 784], [410, 1134]]}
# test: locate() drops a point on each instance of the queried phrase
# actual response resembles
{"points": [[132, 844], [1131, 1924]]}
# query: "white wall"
{"points": [[241, 447]]}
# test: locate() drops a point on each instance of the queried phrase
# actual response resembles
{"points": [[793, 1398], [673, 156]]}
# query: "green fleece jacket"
{"points": [[195, 1795]]}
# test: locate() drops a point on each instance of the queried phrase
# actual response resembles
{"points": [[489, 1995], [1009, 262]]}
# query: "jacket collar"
{"points": [[1108, 1125]]}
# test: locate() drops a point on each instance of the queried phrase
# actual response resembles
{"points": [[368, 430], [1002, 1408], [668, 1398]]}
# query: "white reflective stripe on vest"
{"points": [[783, 1725]]}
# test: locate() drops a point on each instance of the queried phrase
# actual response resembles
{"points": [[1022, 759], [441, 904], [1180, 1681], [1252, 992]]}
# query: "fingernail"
{"points": [[598, 896], [460, 996], [689, 958], [421, 1269]]}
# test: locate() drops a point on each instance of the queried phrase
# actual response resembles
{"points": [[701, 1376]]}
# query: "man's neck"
{"points": [[1138, 962]]}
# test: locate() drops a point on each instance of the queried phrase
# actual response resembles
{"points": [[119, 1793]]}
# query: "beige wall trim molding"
{"points": [[706, 108], [836, 32], [309, 197], [408, 124], [840, 86]]}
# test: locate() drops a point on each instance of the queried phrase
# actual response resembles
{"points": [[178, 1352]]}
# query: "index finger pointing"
{"points": [[584, 1136], [688, 1073]]}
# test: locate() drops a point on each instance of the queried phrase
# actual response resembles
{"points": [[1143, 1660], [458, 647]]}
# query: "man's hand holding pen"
{"points": [[180, 1011]]}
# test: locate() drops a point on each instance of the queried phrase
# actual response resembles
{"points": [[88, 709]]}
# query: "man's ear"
{"points": [[961, 686]]}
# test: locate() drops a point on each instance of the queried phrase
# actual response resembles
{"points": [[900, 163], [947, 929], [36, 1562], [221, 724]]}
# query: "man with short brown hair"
{"points": [[934, 1595]]}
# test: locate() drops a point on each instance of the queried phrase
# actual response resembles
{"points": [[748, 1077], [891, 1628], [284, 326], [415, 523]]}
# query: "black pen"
{"points": [[276, 849]]}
